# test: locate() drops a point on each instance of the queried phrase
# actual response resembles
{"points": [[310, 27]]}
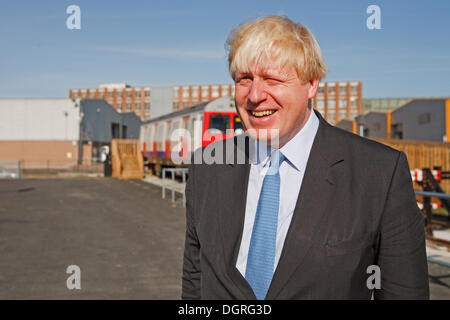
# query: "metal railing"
{"points": [[432, 194], [427, 210], [172, 184]]}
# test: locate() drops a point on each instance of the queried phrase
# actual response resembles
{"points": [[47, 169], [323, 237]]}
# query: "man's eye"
{"points": [[273, 80], [244, 79]]}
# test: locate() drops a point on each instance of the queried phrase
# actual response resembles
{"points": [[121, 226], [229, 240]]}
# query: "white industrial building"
{"points": [[60, 133]]}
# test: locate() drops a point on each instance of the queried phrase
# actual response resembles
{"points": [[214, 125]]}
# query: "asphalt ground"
{"points": [[126, 240]]}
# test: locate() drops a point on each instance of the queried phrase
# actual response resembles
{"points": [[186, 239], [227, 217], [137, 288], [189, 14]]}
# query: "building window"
{"points": [[330, 116], [354, 89], [343, 103], [175, 92], [128, 106], [215, 92], [205, 92], [110, 94], [320, 104], [185, 92], [331, 88], [224, 91], [147, 105], [138, 106], [397, 131], [175, 105], [331, 103], [147, 92], [195, 92], [321, 89]]}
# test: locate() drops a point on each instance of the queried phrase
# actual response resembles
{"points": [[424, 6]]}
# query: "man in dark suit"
{"points": [[316, 214]]}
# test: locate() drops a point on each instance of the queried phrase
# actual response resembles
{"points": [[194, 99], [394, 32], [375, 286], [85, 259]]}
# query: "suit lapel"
{"points": [[233, 181], [315, 194]]}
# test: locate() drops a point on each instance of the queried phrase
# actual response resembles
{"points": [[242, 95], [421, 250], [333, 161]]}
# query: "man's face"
{"points": [[273, 98]]}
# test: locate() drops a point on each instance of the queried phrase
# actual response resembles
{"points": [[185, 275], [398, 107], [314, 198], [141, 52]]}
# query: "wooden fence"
{"points": [[126, 157], [424, 154]]}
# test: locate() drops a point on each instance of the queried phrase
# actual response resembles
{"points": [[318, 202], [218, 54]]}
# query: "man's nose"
{"points": [[257, 93]]}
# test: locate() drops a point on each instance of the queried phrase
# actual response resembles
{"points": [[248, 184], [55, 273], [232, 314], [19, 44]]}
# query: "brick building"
{"points": [[335, 100]]}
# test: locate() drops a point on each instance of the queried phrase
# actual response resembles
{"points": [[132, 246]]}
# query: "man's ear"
{"points": [[313, 85]]}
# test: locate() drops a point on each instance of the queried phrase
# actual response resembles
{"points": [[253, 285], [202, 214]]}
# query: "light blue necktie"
{"points": [[261, 254]]}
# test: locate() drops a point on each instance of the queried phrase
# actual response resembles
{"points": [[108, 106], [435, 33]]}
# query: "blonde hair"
{"points": [[290, 43]]}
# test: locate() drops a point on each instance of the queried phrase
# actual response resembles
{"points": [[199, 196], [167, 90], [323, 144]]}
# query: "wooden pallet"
{"points": [[127, 160]]}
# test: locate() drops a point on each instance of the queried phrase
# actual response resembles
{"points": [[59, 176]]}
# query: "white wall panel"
{"points": [[38, 119]]}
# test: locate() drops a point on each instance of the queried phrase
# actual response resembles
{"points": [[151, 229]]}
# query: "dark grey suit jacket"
{"points": [[356, 208]]}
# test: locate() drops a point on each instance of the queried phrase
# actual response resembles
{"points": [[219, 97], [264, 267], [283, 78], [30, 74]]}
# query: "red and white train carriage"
{"points": [[204, 123]]}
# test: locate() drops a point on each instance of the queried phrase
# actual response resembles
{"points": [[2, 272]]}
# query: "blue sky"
{"points": [[157, 43]]}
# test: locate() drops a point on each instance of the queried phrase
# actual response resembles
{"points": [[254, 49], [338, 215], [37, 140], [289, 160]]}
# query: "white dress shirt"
{"points": [[291, 171]]}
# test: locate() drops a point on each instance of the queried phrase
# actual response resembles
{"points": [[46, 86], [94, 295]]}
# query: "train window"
{"points": [[220, 122]]}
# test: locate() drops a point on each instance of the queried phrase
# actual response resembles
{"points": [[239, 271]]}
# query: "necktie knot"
{"points": [[279, 156], [276, 160]]}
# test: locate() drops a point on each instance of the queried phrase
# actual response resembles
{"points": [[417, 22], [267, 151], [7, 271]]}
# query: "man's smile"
{"points": [[262, 113]]}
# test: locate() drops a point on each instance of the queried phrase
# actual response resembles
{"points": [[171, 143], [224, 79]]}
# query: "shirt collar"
{"points": [[295, 150]]}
